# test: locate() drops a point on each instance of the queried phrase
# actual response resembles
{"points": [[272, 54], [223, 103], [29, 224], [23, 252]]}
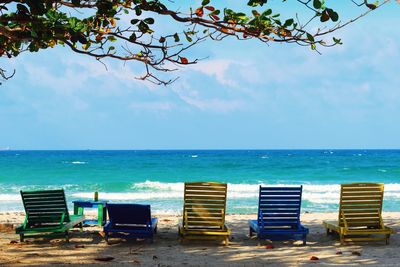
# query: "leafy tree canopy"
{"points": [[130, 30]]}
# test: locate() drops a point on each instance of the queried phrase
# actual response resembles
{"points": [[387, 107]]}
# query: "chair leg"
{"points": [[106, 238], [21, 237], [67, 236], [304, 240], [341, 239], [250, 232], [226, 241], [387, 239], [155, 230]]}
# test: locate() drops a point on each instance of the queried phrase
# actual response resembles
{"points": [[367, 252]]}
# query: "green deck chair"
{"points": [[46, 215]]}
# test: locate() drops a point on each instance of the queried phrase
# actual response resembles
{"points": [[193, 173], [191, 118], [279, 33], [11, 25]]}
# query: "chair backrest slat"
{"points": [[279, 206], [45, 206], [204, 205], [129, 214], [361, 204]]}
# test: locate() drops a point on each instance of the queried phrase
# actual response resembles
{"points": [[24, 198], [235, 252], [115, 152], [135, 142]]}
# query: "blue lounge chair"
{"points": [[130, 221], [279, 214]]}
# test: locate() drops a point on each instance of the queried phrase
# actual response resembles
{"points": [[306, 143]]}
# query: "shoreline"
{"points": [[166, 250]]}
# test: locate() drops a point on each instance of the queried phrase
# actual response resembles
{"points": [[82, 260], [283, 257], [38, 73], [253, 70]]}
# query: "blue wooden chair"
{"points": [[279, 214], [130, 221]]}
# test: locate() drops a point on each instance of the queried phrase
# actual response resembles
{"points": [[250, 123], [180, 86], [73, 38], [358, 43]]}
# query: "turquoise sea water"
{"points": [[156, 177]]}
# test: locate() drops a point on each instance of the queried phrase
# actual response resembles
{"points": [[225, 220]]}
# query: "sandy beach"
{"points": [[86, 246]]}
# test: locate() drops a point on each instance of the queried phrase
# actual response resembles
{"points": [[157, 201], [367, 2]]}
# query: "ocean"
{"points": [[156, 177]]}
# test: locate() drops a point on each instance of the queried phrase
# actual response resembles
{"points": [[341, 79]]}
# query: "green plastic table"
{"points": [[80, 205]]}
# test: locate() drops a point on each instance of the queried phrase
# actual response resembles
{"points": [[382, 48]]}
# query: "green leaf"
{"points": [[138, 11], [34, 34], [254, 3], [205, 2], [134, 21], [76, 2], [22, 9], [317, 4], [337, 41], [267, 12], [149, 21], [188, 38], [334, 16], [143, 27], [288, 23], [176, 37], [310, 37], [313, 46], [132, 37], [111, 38]]}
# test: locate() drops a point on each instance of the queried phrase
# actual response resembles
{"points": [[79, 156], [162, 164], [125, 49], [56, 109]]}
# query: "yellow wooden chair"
{"points": [[360, 214], [204, 212]]}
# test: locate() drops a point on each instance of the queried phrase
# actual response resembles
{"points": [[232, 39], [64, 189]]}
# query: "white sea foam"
{"points": [[10, 197], [75, 162], [154, 190], [323, 194], [194, 156]]}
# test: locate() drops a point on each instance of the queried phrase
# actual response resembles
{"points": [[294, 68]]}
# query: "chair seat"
{"points": [[210, 232], [130, 228], [334, 226], [74, 220], [277, 231]]}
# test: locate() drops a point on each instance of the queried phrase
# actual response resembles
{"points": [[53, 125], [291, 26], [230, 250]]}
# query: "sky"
{"points": [[244, 95]]}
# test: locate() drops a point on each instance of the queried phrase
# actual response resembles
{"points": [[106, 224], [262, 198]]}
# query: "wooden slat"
{"points": [[280, 206], [205, 203], [216, 198], [279, 198], [204, 209], [204, 215], [45, 206], [357, 198], [197, 223], [361, 204], [280, 215], [201, 209], [280, 202], [279, 188], [271, 194], [42, 193]]}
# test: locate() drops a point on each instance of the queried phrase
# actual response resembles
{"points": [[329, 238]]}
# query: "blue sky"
{"points": [[246, 95]]}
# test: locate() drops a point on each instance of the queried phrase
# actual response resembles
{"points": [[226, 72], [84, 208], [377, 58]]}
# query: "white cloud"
{"points": [[217, 69]]}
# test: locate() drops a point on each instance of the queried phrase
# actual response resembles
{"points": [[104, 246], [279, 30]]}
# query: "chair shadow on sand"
{"points": [[87, 246]]}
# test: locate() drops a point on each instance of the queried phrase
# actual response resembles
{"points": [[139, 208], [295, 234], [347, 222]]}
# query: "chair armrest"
{"points": [[381, 224], [62, 218], [261, 218], [185, 221], [25, 222], [344, 220]]}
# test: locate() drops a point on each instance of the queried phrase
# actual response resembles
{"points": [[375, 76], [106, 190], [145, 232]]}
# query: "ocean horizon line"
{"points": [[211, 149]]}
